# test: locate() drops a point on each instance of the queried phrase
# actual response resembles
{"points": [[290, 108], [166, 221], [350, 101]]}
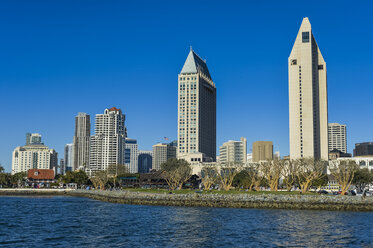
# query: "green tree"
{"points": [[68, 177], [80, 178], [176, 172], [19, 179], [362, 178], [2, 170], [322, 181], [243, 180]]}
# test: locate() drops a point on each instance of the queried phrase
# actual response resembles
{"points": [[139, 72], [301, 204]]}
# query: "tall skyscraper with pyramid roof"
{"points": [[196, 109], [308, 103]]}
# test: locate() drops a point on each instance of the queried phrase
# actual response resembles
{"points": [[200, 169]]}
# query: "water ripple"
{"points": [[79, 222]]}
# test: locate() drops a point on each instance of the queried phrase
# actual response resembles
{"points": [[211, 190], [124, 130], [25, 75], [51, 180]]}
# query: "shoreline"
{"points": [[244, 200]]}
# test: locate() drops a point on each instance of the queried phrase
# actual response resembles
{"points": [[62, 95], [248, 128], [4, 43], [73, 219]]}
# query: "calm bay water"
{"points": [[80, 222]]}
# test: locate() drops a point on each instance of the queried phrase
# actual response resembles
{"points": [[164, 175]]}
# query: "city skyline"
{"points": [[242, 84]]}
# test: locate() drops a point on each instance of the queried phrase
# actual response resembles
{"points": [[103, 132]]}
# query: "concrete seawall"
{"points": [[269, 201]]}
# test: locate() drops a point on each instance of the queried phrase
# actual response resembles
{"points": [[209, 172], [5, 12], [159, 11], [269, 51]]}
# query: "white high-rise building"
{"points": [[196, 109], [308, 105], [81, 142], [337, 137], [233, 151], [131, 155], [108, 143], [33, 156]]}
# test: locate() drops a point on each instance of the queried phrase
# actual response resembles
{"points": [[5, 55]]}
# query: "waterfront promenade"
{"points": [[235, 200]]}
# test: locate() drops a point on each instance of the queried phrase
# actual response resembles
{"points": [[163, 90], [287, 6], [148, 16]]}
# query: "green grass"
{"points": [[188, 191]]}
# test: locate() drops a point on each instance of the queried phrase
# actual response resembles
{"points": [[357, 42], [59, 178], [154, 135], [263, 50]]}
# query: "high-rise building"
{"points": [[233, 151], [81, 142], [33, 156], [196, 109], [337, 137], [69, 157], [62, 167], [363, 149], [131, 155], [53, 160], [161, 153], [308, 105], [33, 138], [108, 143], [145, 161], [262, 150]]}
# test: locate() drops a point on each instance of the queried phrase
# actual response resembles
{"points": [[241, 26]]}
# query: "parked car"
{"points": [[324, 192]]}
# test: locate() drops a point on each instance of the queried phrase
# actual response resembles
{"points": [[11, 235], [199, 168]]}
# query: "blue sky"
{"points": [[59, 58]]}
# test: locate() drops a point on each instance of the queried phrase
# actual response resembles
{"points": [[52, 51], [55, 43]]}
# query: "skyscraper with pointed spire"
{"points": [[308, 104], [196, 109]]}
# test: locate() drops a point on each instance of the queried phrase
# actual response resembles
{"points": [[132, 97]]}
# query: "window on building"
{"points": [[305, 37]]}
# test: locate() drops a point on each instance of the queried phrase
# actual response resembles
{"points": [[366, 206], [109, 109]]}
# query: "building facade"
{"points": [[196, 109], [233, 151], [145, 161], [363, 149], [33, 138], [161, 153], [262, 150], [69, 157], [33, 156], [131, 155], [62, 166], [308, 105], [108, 143], [337, 136], [81, 141]]}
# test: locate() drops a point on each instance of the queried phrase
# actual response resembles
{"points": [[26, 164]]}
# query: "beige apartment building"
{"points": [[308, 105], [161, 153], [33, 156], [262, 150], [196, 109]]}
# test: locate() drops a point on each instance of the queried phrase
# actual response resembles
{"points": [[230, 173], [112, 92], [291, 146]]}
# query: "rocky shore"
{"points": [[268, 201]]}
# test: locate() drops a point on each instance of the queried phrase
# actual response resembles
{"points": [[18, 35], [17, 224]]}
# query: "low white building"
{"points": [[363, 161]]}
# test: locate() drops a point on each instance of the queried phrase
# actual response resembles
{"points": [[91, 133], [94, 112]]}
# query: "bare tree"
{"points": [[95, 181], [289, 173], [344, 171], [272, 170], [176, 172], [116, 170], [226, 174], [102, 177], [208, 176], [309, 170], [255, 175]]}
